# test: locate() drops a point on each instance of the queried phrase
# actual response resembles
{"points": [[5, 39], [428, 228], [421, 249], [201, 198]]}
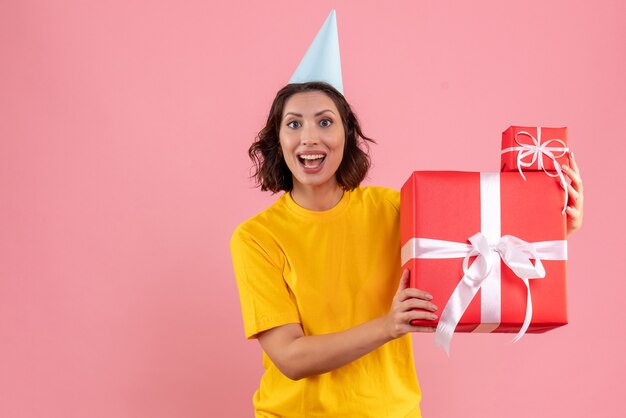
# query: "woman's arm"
{"points": [[298, 356], [575, 190]]}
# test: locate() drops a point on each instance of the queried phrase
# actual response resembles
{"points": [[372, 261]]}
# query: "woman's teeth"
{"points": [[312, 160]]}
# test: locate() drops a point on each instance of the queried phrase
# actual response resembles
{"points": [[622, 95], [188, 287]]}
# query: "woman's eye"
{"points": [[293, 124], [326, 123]]}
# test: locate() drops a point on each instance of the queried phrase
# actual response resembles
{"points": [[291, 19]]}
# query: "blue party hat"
{"points": [[321, 61]]}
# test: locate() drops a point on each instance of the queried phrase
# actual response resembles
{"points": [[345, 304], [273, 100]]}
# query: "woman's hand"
{"points": [[575, 191], [409, 304]]}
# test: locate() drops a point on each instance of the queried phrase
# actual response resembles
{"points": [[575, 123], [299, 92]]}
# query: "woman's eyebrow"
{"points": [[298, 115], [293, 114]]}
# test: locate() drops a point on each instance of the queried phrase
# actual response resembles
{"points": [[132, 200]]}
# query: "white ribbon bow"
{"points": [[537, 150], [515, 253]]}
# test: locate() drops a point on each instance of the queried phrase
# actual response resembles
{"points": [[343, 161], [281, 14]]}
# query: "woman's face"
{"points": [[312, 139]]}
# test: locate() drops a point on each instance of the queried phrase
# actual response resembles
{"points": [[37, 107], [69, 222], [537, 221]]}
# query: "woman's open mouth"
{"points": [[312, 162]]}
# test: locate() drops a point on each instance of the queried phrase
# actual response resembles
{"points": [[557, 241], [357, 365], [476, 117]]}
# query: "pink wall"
{"points": [[123, 170]]}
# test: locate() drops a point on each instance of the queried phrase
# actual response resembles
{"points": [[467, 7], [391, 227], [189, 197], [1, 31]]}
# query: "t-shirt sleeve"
{"points": [[266, 301], [393, 197]]}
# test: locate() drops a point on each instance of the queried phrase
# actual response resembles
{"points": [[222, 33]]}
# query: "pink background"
{"points": [[124, 127]]}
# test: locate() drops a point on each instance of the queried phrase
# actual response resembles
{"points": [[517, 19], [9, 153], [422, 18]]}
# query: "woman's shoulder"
{"points": [[261, 222], [378, 195]]}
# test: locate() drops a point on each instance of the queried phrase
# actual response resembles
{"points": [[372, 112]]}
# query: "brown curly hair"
{"points": [[271, 172]]}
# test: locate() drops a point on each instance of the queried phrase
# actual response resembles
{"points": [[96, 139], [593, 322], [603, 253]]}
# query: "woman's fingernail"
{"points": [[429, 296], [564, 167], [434, 307], [571, 155], [433, 317]]}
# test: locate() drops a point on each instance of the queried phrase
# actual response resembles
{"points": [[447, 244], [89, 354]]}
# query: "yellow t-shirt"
{"points": [[329, 271]]}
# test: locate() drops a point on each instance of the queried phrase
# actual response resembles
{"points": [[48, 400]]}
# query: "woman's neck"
{"points": [[317, 198]]}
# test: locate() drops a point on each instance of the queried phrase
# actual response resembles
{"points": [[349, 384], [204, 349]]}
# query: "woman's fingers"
{"points": [[421, 315], [415, 309], [573, 163], [407, 316], [574, 174], [405, 292], [412, 292], [414, 303], [405, 281], [573, 194], [410, 304], [403, 322], [573, 212], [575, 191]]}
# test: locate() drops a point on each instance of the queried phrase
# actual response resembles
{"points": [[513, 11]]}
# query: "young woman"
{"points": [[319, 274]]}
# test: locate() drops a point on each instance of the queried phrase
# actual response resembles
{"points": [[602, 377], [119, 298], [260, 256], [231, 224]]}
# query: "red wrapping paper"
{"points": [[509, 159], [445, 205]]}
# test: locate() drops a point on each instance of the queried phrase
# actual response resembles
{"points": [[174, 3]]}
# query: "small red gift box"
{"points": [[490, 222], [534, 149]]}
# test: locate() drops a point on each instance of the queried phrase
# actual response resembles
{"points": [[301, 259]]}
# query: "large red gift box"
{"points": [[451, 207], [534, 148]]}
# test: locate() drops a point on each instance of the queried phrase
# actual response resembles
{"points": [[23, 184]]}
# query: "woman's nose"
{"points": [[309, 135]]}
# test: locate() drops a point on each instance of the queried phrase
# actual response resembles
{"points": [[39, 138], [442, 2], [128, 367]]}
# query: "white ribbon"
{"points": [[485, 270], [537, 150]]}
